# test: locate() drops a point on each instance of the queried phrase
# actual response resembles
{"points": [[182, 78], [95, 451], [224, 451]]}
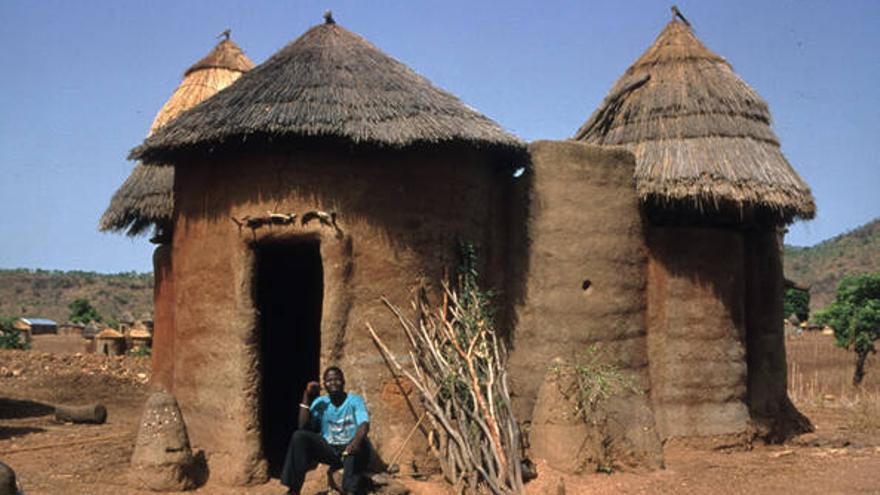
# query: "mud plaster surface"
{"points": [[583, 227], [401, 215]]}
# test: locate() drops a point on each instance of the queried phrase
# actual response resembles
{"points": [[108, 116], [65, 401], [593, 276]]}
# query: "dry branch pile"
{"points": [[458, 364]]}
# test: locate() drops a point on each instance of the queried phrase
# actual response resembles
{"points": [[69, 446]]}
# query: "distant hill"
{"points": [[46, 293], [823, 265]]}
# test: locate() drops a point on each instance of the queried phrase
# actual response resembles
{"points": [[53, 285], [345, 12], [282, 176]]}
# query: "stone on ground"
{"points": [[162, 458], [7, 480]]}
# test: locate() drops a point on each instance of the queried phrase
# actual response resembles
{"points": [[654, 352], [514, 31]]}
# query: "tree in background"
{"points": [[10, 337], [112, 323], [855, 317], [797, 302], [82, 311]]}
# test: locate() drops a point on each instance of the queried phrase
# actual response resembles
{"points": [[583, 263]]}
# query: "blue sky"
{"points": [[82, 82]]}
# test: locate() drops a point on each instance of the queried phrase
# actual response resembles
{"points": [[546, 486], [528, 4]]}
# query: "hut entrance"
{"points": [[289, 291]]}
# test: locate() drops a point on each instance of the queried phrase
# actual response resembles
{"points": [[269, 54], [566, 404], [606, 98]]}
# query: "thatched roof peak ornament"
{"points": [[328, 17], [145, 199], [226, 55], [677, 14], [700, 134], [328, 83]]}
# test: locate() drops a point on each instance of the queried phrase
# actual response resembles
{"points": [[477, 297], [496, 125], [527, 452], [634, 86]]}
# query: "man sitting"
{"points": [[332, 430]]}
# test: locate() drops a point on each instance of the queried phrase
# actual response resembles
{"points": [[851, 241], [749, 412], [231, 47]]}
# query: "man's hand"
{"points": [[355, 443], [309, 395], [312, 391], [349, 449]]}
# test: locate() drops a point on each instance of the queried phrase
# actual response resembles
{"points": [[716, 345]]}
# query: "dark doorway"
{"points": [[289, 290]]}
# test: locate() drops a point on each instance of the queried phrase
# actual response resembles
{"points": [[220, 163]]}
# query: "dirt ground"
{"points": [[841, 457]]}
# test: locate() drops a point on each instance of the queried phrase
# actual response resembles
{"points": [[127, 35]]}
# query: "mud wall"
{"points": [[585, 269], [768, 401], [163, 318], [696, 330], [400, 213]]}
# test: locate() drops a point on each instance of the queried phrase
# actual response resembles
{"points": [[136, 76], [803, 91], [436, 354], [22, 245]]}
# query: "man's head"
{"points": [[334, 380]]}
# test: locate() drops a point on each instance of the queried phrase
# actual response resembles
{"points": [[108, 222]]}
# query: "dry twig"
{"points": [[458, 365]]}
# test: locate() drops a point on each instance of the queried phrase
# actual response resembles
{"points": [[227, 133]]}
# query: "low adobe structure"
{"points": [[35, 326], [332, 175], [145, 201], [109, 342]]}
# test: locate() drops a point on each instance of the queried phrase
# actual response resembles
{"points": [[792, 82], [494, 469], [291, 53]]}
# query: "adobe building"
{"points": [[332, 175], [109, 342], [35, 326], [715, 190], [323, 179], [145, 201]]}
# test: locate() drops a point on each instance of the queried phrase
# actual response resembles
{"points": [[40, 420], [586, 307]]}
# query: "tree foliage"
{"points": [[11, 337], [796, 302], [82, 311], [855, 317]]}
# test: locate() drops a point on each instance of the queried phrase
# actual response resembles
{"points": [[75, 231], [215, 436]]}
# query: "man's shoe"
{"points": [[334, 480]]}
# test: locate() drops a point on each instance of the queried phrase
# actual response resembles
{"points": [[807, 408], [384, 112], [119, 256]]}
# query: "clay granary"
{"points": [[145, 201], [332, 175], [715, 190]]}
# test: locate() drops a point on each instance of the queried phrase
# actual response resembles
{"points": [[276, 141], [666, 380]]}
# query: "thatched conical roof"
{"points": [[701, 135], [146, 198], [331, 83]]}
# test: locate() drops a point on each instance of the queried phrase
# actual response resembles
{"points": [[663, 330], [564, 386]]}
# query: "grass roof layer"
{"points": [[146, 197], [700, 134], [332, 83]]}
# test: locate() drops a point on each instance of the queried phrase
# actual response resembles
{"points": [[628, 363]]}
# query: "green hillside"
{"points": [[822, 266], [46, 293]]}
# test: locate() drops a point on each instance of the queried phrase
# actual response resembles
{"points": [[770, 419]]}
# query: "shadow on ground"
{"points": [[14, 408], [7, 432]]}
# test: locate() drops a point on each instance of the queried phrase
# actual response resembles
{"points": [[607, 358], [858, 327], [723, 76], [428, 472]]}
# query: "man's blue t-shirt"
{"points": [[339, 424]]}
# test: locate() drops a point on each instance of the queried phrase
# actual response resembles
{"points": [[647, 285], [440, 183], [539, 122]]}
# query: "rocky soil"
{"points": [[841, 457]]}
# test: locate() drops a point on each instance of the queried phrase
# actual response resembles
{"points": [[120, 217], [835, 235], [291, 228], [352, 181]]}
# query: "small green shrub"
{"points": [[140, 352], [796, 302], [855, 317], [11, 337], [82, 311], [595, 379]]}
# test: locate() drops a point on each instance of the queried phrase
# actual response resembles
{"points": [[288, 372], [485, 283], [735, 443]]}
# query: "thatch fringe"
{"points": [[332, 83], [146, 197], [700, 134]]}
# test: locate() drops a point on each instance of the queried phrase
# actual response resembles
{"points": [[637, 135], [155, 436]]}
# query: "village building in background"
{"points": [[332, 175], [35, 326], [75, 329], [109, 342]]}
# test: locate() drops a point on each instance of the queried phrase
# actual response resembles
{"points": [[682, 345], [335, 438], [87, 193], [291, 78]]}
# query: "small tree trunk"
{"points": [[860, 368], [92, 413]]}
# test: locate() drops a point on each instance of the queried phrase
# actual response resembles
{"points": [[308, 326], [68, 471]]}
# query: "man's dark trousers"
{"points": [[307, 448]]}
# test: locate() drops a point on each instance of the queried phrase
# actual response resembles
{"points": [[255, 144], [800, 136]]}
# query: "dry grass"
{"points": [[329, 83], [700, 134], [146, 197], [820, 379]]}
